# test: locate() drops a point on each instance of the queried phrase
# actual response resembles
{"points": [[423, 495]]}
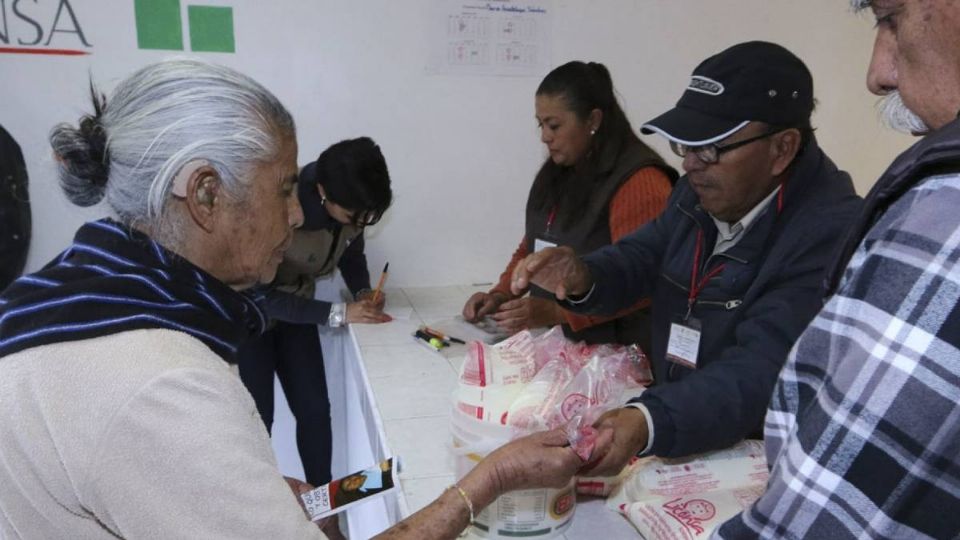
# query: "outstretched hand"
{"points": [[540, 460], [556, 269], [622, 433], [543, 459]]}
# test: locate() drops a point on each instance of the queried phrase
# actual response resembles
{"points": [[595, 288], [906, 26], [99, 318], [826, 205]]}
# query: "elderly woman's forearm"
{"points": [[449, 515]]}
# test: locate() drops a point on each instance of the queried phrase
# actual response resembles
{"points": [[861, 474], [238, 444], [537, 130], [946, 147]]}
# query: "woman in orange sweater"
{"points": [[599, 183]]}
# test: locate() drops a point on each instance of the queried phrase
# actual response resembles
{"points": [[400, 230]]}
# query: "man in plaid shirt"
{"points": [[863, 430]]}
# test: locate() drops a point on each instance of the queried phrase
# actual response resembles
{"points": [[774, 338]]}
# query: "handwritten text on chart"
{"points": [[508, 8]]}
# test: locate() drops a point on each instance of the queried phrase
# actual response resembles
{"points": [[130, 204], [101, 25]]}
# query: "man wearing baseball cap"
{"points": [[734, 265]]}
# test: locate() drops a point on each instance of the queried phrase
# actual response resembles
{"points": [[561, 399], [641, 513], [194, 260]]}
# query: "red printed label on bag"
{"points": [[691, 514]]}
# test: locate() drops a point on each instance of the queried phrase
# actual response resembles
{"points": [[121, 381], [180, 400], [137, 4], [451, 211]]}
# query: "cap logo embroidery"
{"points": [[705, 86]]}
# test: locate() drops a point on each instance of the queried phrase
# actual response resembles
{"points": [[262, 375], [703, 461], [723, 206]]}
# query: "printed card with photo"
{"points": [[342, 493]]}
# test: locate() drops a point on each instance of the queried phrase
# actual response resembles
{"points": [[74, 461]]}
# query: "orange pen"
{"points": [[383, 279]]}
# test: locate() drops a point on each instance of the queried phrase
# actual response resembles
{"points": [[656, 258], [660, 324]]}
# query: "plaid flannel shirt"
{"points": [[863, 429]]}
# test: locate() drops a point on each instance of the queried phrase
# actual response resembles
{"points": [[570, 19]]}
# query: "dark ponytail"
{"points": [[583, 86]]}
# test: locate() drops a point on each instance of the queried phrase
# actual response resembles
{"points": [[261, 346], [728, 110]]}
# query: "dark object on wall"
{"points": [[14, 210]]}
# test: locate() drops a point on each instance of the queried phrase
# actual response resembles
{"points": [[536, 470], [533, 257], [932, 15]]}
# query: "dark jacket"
{"points": [[318, 248], [591, 231], [14, 210], [290, 296], [751, 312], [935, 154]]}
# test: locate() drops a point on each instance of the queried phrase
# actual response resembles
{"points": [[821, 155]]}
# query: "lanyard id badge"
{"points": [[540, 244], [684, 343]]}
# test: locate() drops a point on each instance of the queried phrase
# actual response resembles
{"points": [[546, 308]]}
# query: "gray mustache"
{"points": [[895, 114]]}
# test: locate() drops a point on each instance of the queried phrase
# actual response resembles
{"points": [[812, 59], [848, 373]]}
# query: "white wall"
{"points": [[462, 150]]}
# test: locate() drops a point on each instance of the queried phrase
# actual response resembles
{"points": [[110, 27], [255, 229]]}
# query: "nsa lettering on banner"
{"points": [[41, 27], [55, 27]]}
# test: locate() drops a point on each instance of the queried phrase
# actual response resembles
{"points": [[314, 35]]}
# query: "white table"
{"points": [[391, 396]]}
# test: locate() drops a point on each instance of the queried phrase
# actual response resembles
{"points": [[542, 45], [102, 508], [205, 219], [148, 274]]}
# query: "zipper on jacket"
{"points": [[728, 305], [728, 256]]}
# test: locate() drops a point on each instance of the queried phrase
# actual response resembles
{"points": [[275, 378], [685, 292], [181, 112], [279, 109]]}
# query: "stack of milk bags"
{"points": [[679, 499], [536, 383]]}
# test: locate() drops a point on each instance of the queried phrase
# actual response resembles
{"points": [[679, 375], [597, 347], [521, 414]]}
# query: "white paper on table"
{"points": [[457, 327], [399, 313]]}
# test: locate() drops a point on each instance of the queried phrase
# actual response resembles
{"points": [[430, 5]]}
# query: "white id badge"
{"points": [[540, 244], [684, 343]]}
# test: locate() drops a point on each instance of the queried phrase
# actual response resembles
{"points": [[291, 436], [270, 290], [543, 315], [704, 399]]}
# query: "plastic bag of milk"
{"points": [[493, 376], [533, 408], [509, 362], [689, 516]]}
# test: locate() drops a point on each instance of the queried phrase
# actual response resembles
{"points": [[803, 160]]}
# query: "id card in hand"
{"points": [[344, 492]]}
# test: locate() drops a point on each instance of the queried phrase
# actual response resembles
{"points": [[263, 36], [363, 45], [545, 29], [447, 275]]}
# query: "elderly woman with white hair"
{"points": [[121, 412]]}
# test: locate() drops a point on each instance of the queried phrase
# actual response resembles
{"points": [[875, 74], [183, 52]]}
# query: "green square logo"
{"points": [[159, 25], [211, 28]]}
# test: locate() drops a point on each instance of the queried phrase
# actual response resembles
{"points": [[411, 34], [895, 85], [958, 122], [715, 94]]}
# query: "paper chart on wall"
{"points": [[500, 37]]}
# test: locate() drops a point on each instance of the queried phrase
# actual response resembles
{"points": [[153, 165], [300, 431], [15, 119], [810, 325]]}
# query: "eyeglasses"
{"points": [[365, 219], [710, 153], [359, 219]]}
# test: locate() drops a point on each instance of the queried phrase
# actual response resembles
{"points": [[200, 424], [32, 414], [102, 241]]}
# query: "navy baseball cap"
{"points": [[755, 81]]}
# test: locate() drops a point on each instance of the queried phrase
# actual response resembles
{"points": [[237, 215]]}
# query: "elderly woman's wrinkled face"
{"points": [[261, 226]]}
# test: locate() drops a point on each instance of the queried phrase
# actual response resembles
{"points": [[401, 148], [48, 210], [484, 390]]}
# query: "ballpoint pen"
{"points": [[383, 279]]}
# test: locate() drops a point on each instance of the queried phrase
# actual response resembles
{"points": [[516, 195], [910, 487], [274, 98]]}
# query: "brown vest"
{"points": [[312, 254], [592, 231]]}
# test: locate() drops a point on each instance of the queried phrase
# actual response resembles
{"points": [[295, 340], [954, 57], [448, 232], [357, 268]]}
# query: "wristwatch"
{"points": [[338, 315]]}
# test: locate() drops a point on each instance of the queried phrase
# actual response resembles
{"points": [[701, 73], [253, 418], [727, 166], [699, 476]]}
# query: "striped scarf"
{"points": [[113, 279]]}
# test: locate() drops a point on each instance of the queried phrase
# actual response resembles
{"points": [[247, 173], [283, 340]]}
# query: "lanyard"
{"points": [[695, 285], [550, 217]]}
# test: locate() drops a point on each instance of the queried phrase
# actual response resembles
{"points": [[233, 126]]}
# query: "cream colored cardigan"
{"points": [[141, 434]]}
